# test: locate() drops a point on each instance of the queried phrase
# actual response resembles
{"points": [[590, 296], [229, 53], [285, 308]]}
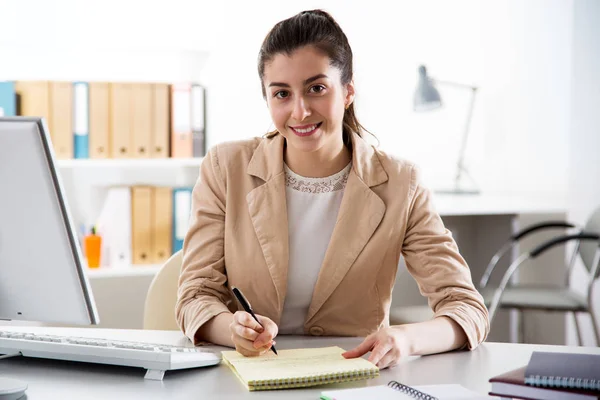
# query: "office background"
{"points": [[535, 127]]}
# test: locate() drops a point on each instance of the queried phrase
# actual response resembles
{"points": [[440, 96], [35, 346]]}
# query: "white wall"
{"points": [[516, 52], [584, 133]]}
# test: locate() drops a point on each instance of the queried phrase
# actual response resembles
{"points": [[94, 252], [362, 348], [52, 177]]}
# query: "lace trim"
{"points": [[328, 184]]}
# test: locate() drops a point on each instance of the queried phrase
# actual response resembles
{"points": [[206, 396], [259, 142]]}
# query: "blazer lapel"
{"points": [[268, 211], [360, 213]]}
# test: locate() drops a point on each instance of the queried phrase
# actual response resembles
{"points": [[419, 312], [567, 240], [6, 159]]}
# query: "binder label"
{"points": [[183, 205], [81, 109], [198, 108]]}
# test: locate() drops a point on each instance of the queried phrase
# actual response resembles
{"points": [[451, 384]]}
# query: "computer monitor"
{"points": [[42, 275]]}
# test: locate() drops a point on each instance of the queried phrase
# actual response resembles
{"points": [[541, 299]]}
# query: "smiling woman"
{"points": [[310, 221], [307, 101]]}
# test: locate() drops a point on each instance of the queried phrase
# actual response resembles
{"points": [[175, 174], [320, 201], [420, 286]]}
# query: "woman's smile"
{"points": [[305, 130]]}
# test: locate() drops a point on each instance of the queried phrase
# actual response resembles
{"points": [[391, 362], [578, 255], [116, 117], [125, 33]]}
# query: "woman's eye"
{"points": [[282, 94], [317, 89]]}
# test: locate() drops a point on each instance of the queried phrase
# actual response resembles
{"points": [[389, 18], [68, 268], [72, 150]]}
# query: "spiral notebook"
{"points": [[298, 368], [564, 370], [397, 391]]}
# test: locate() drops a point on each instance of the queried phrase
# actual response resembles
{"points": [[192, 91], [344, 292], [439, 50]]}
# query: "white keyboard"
{"points": [[156, 358]]}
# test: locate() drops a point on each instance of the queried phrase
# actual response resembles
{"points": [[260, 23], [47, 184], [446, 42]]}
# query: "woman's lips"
{"points": [[305, 130]]}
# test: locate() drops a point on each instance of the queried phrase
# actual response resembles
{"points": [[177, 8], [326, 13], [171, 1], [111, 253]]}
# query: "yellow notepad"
{"points": [[298, 368]]}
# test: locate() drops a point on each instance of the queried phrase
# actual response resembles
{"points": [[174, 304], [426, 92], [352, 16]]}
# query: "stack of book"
{"points": [[552, 376], [113, 119], [142, 225]]}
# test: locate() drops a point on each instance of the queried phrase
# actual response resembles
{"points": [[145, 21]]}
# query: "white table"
{"points": [[49, 379]]}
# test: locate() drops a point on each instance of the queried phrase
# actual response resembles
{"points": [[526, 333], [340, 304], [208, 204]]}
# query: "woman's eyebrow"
{"points": [[306, 82]]}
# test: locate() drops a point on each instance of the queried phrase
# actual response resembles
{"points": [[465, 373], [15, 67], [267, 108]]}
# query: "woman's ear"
{"points": [[349, 94]]}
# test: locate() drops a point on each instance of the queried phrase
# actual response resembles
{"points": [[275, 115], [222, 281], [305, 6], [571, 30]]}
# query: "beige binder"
{"points": [[99, 120], [141, 224], [162, 210], [160, 123], [120, 120], [61, 118], [181, 121], [141, 119], [33, 99]]}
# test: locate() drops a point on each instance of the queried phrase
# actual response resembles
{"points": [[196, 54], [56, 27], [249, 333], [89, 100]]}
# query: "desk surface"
{"points": [[49, 379], [498, 204]]}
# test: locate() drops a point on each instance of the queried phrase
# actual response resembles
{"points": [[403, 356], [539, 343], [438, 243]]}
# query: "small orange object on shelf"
{"points": [[93, 246]]}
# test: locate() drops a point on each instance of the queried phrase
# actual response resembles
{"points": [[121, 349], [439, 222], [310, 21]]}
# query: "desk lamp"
{"points": [[427, 98]]}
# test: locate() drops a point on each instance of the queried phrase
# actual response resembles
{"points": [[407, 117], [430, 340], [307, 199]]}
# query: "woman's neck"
{"points": [[320, 163]]}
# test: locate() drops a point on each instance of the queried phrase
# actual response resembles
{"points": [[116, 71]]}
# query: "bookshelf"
{"points": [[86, 182], [133, 271], [108, 164]]}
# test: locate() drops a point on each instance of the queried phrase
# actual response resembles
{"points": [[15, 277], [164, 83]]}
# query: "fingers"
{"points": [[245, 319], [388, 360], [251, 351], [361, 349], [378, 352], [269, 332], [249, 337]]}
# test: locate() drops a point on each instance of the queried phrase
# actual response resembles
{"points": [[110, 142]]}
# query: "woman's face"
{"points": [[306, 99]]}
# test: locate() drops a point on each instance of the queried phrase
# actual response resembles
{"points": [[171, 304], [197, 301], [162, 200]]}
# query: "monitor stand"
{"points": [[12, 389]]}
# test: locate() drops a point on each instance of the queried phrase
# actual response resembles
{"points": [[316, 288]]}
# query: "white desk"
{"points": [[50, 379]]}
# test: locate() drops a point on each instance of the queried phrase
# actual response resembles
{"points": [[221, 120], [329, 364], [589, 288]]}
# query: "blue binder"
{"points": [[182, 206], [81, 120], [8, 99]]}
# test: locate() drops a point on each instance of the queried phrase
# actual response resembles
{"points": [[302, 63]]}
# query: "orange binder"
{"points": [[120, 120], [181, 120], [99, 120], [141, 119], [33, 99], [61, 118], [160, 122], [162, 210], [141, 224]]}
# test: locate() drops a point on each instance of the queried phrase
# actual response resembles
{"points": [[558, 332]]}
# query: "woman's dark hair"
{"points": [[315, 28]]}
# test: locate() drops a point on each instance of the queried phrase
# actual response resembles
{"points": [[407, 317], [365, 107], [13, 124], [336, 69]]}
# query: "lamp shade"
{"points": [[426, 95]]}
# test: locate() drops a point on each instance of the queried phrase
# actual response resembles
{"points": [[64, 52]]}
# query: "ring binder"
{"points": [[414, 393], [563, 370], [563, 382]]}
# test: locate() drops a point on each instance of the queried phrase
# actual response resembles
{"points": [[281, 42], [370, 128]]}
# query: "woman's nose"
{"points": [[301, 109]]}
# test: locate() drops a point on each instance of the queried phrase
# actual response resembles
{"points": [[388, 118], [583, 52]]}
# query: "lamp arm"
{"points": [[455, 84], [460, 167]]}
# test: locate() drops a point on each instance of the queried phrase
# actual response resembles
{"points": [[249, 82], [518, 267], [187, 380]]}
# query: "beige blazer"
{"points": [[238, 236]]}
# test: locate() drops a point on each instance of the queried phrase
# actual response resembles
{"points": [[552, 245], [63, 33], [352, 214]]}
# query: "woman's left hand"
{"points": [[387, 346]]}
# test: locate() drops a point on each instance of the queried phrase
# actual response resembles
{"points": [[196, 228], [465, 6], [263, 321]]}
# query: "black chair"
{"points": [[522, 297], [558, 298]]}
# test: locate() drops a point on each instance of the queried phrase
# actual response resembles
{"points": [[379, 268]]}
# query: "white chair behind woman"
{"points": [[159, 310]]}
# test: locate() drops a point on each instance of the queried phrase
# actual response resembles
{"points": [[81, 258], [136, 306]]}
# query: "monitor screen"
{"points": [[42, 277]]}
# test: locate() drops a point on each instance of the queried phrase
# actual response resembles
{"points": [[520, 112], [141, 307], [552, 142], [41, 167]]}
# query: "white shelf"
{"points": [[132, 271], [130, 163]]}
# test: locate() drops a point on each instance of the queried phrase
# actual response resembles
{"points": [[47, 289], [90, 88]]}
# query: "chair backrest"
{"points": [[588, 248], [159, 310]]}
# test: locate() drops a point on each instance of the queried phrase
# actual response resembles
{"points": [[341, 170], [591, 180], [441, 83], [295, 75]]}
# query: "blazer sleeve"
{"points": [[202, 292], [433, 259]]}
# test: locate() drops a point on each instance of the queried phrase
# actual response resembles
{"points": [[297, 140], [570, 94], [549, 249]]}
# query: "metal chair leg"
{"points": [[595, 326], [577, 329], [521, 326]]}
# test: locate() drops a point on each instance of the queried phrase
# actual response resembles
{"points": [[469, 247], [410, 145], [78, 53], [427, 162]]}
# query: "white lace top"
{"points": [[312, 208]]}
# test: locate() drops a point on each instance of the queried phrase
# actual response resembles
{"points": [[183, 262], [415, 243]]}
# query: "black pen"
{"points": [[247, 307]]}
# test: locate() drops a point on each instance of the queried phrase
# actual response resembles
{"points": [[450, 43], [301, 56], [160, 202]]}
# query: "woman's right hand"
{"points": [[250, 338]]}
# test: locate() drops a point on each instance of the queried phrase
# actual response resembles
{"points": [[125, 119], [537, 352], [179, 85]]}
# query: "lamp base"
{"points": [[458, 191]]}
